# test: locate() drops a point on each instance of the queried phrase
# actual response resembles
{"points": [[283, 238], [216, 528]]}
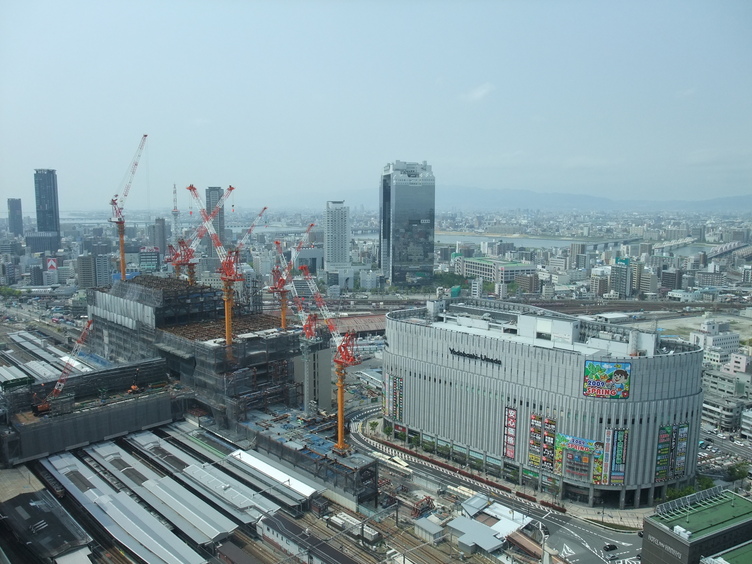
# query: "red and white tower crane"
{"points": [[45, 406], [344, 355], [117, 204], [185, 254], [229, 265], [282, 274]]}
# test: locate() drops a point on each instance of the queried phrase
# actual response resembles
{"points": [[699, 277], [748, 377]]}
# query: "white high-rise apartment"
{"points": [[337, 235]]}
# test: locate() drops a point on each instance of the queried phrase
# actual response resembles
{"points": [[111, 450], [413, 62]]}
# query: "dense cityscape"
{"points": [[243, 385]]}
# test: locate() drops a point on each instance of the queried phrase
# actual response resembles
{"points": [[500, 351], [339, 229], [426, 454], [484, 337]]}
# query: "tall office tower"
{"points": [[45, 190], [15, 217], [86, 271], [407, 202], [48, 212], [160, 235], [213, 194], [336, 235], [103, 270]]}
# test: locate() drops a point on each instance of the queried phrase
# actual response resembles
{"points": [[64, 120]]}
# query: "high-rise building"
{"points": [[86, 270], [160, 235], [407, 202], [213, 195], [577, 249], [103, 270], [621, 278], [15, 217], [336, 235], [45, 190], [48, 211]]}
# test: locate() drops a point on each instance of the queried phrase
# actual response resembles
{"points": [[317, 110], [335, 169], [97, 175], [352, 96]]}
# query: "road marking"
{"points": [[566, 551]]}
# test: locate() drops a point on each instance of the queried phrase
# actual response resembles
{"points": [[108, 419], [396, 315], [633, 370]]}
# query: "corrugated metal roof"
{"points": [[201, 522], [121, 516]]}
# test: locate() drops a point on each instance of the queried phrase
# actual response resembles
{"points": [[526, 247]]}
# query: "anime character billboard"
{"points": [[610, 380]]}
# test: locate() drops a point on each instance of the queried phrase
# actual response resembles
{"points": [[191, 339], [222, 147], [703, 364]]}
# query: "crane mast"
{"points": [[185, 254], [282, 275], [228, 268], [118, 202], [344, 356]]}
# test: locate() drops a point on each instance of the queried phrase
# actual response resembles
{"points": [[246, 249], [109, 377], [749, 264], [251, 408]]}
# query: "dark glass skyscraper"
{"points": [[407, 212], [15, 217], [45, 190]]}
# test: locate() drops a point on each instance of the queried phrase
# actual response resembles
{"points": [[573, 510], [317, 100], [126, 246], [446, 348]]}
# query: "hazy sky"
{"points": [[303, 102]]}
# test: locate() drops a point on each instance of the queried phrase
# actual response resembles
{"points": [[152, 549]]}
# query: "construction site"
{"points": [[168, 347]]}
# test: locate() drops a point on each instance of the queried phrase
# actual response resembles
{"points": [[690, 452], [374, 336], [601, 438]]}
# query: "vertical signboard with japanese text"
{"points": [[663, 453], [615, 457], [534, 444], [549, 440], [682, 442], [510, 432]]}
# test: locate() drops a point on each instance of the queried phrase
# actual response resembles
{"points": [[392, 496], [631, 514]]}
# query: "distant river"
{"points": [[453, 238]]}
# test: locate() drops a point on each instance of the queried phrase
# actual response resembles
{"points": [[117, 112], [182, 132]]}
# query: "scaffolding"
{"points": [[149, 316], [359, 481]]}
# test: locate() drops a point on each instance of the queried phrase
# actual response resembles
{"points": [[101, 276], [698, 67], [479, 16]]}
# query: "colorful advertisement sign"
{"points": [[536, 438], [397, 397], [510, 432], [609, 380], [615, 457], [549, 441], [680, 463], [581, 459], [663, 453]]}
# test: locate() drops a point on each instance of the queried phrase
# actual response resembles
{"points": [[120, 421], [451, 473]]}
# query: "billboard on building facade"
{"points": [[536, 438], [615, 457], [510, 432], [609, 380], [577, 458]]}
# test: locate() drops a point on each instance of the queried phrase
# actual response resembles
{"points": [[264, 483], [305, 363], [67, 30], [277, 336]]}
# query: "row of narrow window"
{"points": [[513, 401]]}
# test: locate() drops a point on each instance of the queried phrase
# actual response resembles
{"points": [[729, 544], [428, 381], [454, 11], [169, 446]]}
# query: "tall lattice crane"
{"points": [[229, 266], [117, 204], [44, 406], [344, 355], [185, 253], [282, 274]]}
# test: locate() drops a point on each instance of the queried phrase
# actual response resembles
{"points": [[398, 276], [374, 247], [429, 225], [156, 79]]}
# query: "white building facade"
{"points": [[584, 410]]}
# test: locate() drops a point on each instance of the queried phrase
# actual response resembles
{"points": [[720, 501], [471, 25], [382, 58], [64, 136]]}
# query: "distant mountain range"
{"points": [[477, 199]]}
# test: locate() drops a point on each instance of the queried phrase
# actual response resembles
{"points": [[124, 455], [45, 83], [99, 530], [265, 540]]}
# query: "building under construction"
{"points": [[165, 341], [184, 324]]}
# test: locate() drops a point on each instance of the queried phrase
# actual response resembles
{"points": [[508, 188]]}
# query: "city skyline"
{"points": [[628, 102]]}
